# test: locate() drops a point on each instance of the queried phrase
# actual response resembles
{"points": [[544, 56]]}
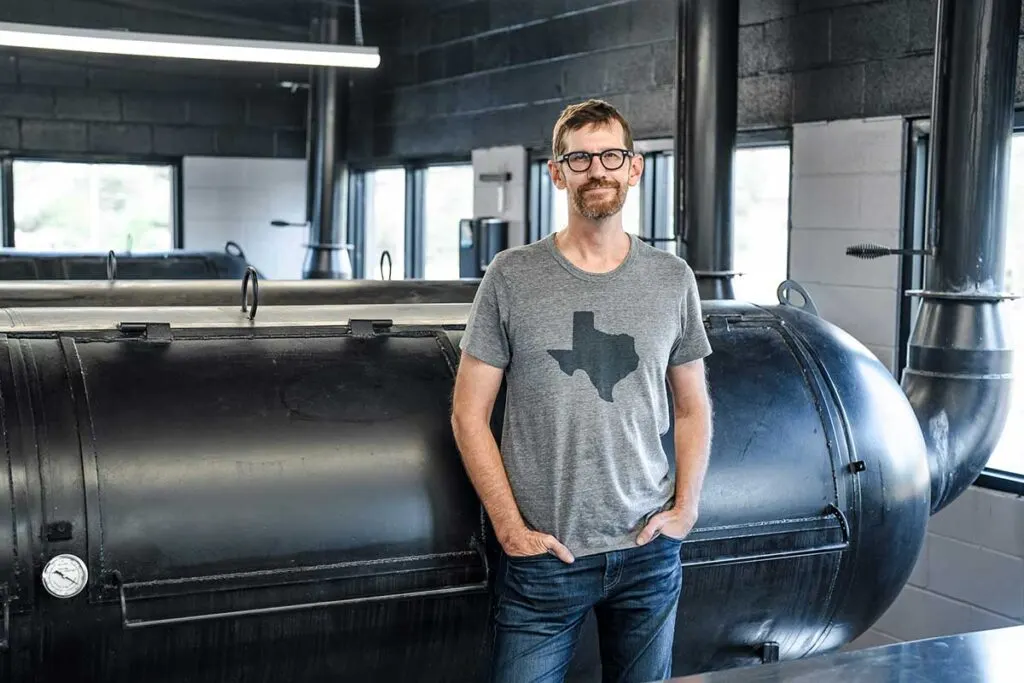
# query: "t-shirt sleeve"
{"points": [[692, 342], [486, 335]]}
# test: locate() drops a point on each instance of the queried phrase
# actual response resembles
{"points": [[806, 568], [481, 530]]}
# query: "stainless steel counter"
{"points": [[982, 657]]}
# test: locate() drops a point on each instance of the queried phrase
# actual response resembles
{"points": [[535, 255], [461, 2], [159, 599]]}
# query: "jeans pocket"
{"points": [[531, 558], [670, 539]]}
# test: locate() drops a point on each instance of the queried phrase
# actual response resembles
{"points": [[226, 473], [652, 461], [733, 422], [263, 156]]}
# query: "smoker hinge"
{"points": [[155, 332], [364, 327], [57, 531], [719, 321]]}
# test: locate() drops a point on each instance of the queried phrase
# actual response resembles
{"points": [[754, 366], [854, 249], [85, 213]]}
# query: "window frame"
{"points": [[7, 198], [357, 223], [540, 200], [357, 213], [911, 271], [415, 201]]}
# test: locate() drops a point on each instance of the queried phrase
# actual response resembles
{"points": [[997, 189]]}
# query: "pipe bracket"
{"points": [[963, 296]]}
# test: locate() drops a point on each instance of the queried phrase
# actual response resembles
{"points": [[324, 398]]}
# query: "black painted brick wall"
{"points": [[459, 74], [53, 103], [473, 73]]}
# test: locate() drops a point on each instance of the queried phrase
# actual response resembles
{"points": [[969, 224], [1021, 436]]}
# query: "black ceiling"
{"points": [[292, 13], [259, 18]]}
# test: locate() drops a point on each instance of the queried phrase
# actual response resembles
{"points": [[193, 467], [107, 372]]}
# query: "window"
{"points": [[760, 222], [663, 168], [1009, 454], [65, 206], [448, 198], [385, 224]]}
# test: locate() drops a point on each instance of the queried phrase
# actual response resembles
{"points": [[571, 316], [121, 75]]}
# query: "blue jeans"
{"points": [[541, 604]]}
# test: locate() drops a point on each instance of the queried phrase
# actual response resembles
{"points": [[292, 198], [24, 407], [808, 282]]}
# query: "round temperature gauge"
{"points": [[64, 576]]}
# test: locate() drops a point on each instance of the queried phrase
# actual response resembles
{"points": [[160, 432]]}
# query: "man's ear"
{"points": [[636, 169], [555, 171]]}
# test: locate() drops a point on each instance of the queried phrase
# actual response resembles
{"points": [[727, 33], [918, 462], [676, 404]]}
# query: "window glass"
{"points": [[448, 198], [385, 224], [760, 222], [1009, 454], [546, 223], [665, 217], [63, 206]]}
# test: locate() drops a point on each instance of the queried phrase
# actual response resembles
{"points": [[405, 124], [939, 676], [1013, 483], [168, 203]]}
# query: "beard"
{"points": [[596, 208]]}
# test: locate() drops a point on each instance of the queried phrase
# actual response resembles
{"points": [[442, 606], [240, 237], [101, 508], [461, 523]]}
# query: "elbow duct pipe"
{"points": [[959, 365]]}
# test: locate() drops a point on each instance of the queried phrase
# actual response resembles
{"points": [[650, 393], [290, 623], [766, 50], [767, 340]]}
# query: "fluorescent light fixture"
{"points": [[185, 47]]}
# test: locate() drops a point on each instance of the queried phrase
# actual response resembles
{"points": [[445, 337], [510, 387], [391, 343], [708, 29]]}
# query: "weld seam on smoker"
{"points": [[832, 512], [450, 353], [844, 454], [5, 635], [90, 461], [431, 593], [299, 571], [293, 578], [21, 449]]}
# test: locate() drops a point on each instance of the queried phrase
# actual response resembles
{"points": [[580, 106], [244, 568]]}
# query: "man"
{"points": [[585, 326]]}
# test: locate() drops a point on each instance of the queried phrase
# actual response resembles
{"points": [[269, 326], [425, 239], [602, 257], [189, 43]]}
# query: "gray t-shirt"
{"points": [[587, 401]]}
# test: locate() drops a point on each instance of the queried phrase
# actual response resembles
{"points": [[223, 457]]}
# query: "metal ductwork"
{"points": [[326, 177], [958, 375], [708, 41]]}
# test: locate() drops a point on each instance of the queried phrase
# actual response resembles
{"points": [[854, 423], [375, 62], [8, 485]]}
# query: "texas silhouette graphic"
{"points": [[606, 358]]}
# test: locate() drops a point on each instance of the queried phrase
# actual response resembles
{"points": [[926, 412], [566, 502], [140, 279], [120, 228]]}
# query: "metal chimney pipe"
{"points": [[322, 258], [709, 37], [958, 375]]}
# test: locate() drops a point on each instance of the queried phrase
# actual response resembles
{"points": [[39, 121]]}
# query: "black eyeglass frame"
{"points": [[626, 154]]}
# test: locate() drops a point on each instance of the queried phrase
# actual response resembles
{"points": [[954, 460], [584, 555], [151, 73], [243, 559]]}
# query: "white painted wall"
{"points": [[969, 577], [235, 199], [846, 189], [486, 195]]}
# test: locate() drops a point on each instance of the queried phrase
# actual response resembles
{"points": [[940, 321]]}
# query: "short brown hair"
{"points": [[576, 116]]}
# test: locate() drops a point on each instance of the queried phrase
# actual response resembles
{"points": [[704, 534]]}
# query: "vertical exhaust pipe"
{"points": [[323, 169], [958, 375], [708, 37]]}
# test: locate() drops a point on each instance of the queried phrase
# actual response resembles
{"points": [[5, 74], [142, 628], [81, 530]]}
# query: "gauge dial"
{"points": [[64, 576]]}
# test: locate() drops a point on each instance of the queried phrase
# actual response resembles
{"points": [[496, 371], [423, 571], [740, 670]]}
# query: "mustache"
{"points": [[599, 184]]}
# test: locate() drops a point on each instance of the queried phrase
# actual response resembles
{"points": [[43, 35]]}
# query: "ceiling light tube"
{"points": [[185, 47]]}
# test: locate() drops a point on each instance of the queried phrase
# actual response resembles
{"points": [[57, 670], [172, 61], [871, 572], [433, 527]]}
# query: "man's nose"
{"points": [[597, 171]]}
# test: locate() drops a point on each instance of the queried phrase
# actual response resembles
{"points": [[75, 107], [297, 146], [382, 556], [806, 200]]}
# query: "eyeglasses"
{"points": [[611, 159]]}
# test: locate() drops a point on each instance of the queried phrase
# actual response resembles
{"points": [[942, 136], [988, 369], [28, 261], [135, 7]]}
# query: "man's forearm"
{"points": [[482, 460], [693, 449]]}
